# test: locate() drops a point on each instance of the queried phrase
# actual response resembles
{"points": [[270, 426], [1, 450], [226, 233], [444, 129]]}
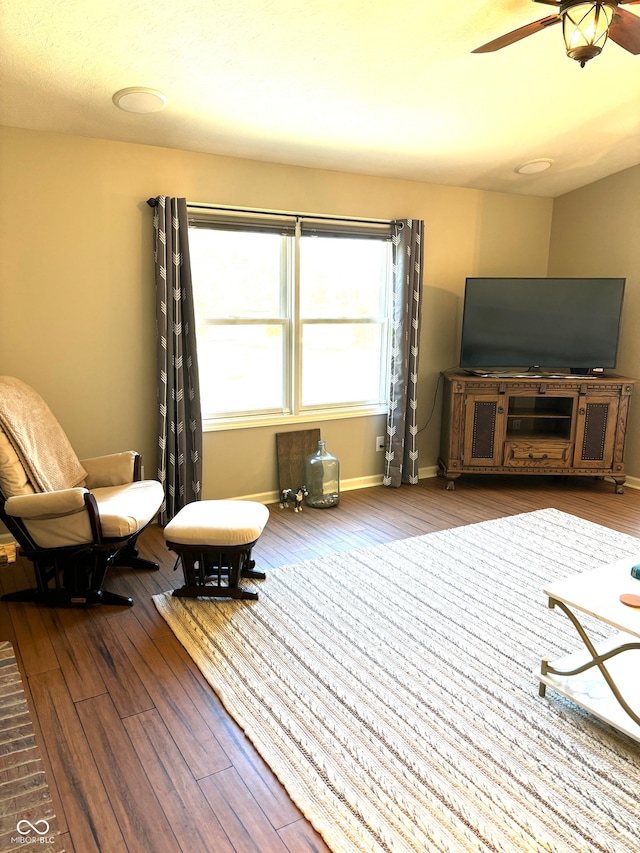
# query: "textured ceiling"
{"points": [[380, 88]]}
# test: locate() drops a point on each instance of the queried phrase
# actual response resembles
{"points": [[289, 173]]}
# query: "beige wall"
{"points": [[76, 283], [595, 233]]}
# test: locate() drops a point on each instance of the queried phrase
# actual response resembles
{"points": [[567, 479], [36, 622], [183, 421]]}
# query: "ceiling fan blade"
{"points": [[520, 33], [625, 30]]}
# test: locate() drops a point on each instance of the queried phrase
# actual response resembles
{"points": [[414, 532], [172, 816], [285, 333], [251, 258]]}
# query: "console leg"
{"points": [[451, 481], [619, 487]]}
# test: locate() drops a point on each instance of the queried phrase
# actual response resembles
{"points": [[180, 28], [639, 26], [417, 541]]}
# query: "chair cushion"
{"points": [[125, 510], [217, 523], [115, 469], [13, 479], [44, 505]]}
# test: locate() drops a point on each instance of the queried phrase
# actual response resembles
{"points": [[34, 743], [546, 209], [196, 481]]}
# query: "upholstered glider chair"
{"points": [[72, 519]]}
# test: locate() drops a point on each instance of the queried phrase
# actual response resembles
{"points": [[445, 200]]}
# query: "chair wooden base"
{"points": [[63, 598], [73, 577]]}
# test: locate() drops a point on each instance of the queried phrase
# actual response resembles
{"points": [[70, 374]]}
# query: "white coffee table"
{"points": [[603, 677]]}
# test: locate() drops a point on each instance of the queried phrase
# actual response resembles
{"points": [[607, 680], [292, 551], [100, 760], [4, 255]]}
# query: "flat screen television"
{"points": [[564, 324]]}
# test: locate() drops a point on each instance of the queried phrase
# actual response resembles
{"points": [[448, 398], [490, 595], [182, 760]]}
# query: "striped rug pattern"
{"points": [[392, 690]]}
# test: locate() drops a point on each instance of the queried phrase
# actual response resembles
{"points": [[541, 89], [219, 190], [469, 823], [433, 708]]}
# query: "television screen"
{"points": [[560, 323]]}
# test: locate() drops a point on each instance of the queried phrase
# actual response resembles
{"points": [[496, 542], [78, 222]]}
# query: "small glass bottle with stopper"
{"points": [[322, 478]]}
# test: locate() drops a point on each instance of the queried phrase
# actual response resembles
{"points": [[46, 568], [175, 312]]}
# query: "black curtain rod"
{"points": [[152, 202]]}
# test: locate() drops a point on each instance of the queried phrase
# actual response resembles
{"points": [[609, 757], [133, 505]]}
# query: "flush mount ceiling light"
{"points": [[137, 99], [586, 25], [532, 167]]}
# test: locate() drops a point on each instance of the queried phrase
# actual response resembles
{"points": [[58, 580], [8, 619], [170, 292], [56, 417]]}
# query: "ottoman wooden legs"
{"points": [[214, 540], [215, 573]]}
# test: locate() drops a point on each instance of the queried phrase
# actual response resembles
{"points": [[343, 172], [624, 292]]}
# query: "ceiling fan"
{"points": [[586, 24]]}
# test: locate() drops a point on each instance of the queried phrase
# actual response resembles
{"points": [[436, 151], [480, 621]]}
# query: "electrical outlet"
{"points": [[516, 424], [380, 443]]}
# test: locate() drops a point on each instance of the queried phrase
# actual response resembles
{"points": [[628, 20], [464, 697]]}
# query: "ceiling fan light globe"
{"points": [[585, 27]]}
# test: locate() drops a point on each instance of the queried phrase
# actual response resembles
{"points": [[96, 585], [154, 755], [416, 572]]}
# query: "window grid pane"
{"points": [[238, 274], [343, 278], [341, 364], [241, 368]]}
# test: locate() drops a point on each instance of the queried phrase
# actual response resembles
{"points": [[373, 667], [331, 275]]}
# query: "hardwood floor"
{"points": [[140, 754]]}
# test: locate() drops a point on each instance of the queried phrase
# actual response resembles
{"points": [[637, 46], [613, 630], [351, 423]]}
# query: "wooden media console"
{"points": [[534, 424]]}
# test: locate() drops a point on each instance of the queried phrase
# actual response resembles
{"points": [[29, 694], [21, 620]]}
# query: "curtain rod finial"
{"points": [[152, 202]]}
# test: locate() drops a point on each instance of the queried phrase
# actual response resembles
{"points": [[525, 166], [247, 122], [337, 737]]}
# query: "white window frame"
{"points": [[205, 216]]}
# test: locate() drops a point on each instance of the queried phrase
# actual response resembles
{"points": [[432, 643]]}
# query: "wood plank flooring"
{"points": [[140, 755]]}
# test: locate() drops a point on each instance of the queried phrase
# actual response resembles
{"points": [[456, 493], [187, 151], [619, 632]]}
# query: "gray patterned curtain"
{"points": [[180, 420], [401, 456]]}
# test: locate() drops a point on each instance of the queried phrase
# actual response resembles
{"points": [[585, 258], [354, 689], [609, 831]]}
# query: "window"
{"points": [[291, 315]]}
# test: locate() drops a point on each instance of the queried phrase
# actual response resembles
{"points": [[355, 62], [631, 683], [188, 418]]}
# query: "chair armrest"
{"points": [[47, 504], [115, 469]]}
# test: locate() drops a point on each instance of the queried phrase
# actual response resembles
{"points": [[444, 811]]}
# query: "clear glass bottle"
{"points": [[322, 478]]}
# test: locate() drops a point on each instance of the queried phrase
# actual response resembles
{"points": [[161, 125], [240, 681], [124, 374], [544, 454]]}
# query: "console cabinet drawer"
{"points": [[532, 454]]}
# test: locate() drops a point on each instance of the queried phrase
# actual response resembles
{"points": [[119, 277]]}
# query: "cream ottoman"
{"points": [[213, 540]]}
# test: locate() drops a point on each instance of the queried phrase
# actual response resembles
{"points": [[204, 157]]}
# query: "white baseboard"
{"points": [[345, 486], [376, 480], [426, 473]]}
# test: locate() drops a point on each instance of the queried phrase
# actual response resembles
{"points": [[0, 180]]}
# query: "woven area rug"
{"points": [[392, 690]]}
